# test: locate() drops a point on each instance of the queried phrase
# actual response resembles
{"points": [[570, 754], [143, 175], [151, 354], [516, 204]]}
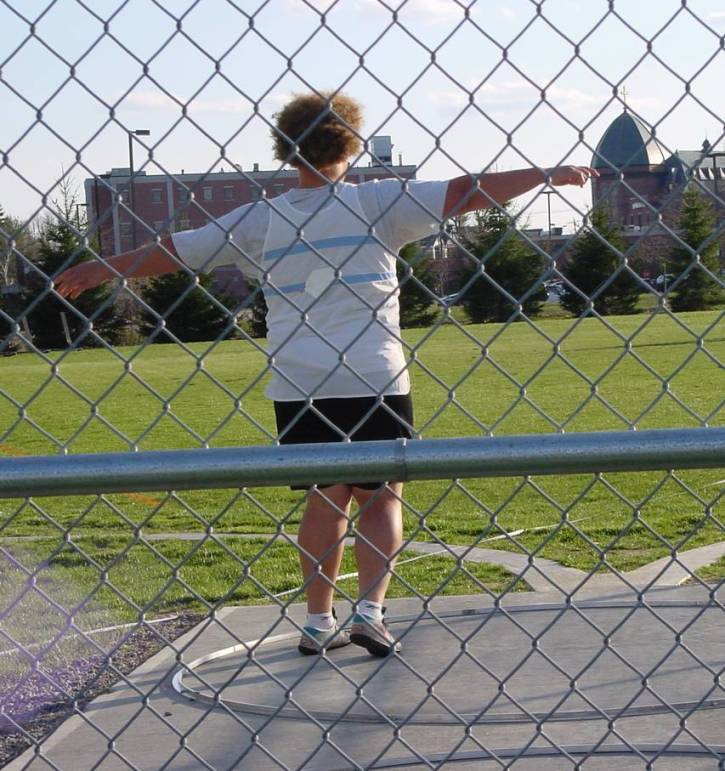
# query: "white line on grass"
{"points": [[444, 551], [100, 630]]}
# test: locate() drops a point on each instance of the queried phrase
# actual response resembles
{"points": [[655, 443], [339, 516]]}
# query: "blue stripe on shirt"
{"points": [[366, 278], [323, 243], [357, 278]]}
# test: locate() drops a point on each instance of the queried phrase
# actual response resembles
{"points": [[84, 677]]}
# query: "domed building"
{"points": [[640, 180]]}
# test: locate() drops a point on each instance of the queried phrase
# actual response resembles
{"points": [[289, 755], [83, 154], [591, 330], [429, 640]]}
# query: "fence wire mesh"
{"points": [[612, 321]]}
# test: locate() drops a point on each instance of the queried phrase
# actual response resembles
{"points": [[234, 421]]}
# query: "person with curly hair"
{"points": [[325, 254]]}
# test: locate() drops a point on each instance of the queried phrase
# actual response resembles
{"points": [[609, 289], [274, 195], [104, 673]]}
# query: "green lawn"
{"points": [[470, 381]]}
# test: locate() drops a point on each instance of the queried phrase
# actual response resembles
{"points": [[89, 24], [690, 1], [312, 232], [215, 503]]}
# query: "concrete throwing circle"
{"points": [[520, 664]]}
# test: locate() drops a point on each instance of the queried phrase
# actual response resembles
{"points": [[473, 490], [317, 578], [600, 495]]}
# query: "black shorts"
{"points": [[297, 424]]}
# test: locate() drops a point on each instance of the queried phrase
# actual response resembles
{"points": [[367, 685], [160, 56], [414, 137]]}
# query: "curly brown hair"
{"points": [[320, 128]]}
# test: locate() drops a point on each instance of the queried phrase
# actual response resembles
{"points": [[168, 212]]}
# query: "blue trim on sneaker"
{"points": [[361, 618], [318, 634]]}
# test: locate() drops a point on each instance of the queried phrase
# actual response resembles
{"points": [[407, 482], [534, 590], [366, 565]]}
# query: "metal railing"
{"points": [[330, 464]]}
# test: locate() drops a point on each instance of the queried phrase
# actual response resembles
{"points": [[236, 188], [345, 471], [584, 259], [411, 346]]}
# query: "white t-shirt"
{"points": [[327, 266]]}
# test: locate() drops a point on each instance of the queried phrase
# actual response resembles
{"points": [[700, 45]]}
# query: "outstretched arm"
{"points": [[468, 193], [147, 260]]}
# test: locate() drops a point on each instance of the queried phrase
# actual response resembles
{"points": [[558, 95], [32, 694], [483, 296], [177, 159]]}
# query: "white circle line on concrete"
{"points": [[717, 752], [577, 750], [323, 716]]}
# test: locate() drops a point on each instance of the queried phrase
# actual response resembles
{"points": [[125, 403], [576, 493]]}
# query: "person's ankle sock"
{"points": [[321, 621], [371, 610]]}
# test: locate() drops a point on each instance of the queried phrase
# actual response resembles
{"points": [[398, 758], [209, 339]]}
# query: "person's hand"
{"points": [[76, 280], [571, 175]]}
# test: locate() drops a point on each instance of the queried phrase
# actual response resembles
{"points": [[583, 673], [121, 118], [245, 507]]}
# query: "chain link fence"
{"points": [[559, 589]]}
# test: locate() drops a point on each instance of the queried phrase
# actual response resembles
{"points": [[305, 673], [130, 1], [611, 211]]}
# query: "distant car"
{"points": [[554, 287], [452, 299], [660, 280]]}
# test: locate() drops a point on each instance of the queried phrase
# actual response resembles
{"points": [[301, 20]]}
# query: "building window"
{"points": [[159, 226], [182, 194], [208, 193], [157, 195], [184, 224], [278, 189], [125, 228], [228, 193], [257, 193]]}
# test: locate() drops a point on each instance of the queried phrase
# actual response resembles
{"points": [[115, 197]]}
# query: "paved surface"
{"points": [[441, 698]]}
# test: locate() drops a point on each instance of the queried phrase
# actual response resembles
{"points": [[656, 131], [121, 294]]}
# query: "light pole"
{"points": [[131, 135], [548, 194]]}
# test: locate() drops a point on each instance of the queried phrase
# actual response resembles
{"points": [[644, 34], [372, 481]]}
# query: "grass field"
{"points": [[487, 378]]}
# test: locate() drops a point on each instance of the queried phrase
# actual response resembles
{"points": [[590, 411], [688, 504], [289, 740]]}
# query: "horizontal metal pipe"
{"points": [[403, 460]]}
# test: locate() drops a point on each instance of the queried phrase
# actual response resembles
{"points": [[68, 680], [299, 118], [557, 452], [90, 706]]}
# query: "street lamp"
{"points": [[548, 194], [131, 135]]}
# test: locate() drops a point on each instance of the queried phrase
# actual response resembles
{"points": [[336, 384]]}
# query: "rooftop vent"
{"points": [[381, 148]]}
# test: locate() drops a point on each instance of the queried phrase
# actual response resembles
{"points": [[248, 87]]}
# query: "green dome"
{"points": [[627, 142]]}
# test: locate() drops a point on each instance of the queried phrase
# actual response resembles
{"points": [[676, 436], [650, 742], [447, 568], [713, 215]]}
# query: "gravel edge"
{"points": [[84, 680]]}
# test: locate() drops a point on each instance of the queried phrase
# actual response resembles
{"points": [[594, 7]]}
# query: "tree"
{"points": [[417, 282], [593, 260], [14, 239], [60, 246], [255, 311], [6, 253], [195, 318], [697, 290], [17, 242], [508, 261]]}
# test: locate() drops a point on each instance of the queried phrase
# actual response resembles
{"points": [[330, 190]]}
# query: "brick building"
{"points": [[158, 203], [639, 182], [641, 185], [126, 217]]}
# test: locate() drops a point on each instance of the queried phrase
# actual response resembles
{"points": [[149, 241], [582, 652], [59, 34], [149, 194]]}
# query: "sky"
{"points": [[461, 86]]}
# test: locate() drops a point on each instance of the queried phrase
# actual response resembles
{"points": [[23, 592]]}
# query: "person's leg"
{"points": [[320, 538], [380, 535]]}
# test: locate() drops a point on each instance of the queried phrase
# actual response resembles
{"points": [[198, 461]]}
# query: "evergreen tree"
{"points": [[509, 261], [592, 262], [8, 341], [60, 246], [697, 290], [194, 319], [255, 324], [14, 238], [416, 288], [17, 243]]}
